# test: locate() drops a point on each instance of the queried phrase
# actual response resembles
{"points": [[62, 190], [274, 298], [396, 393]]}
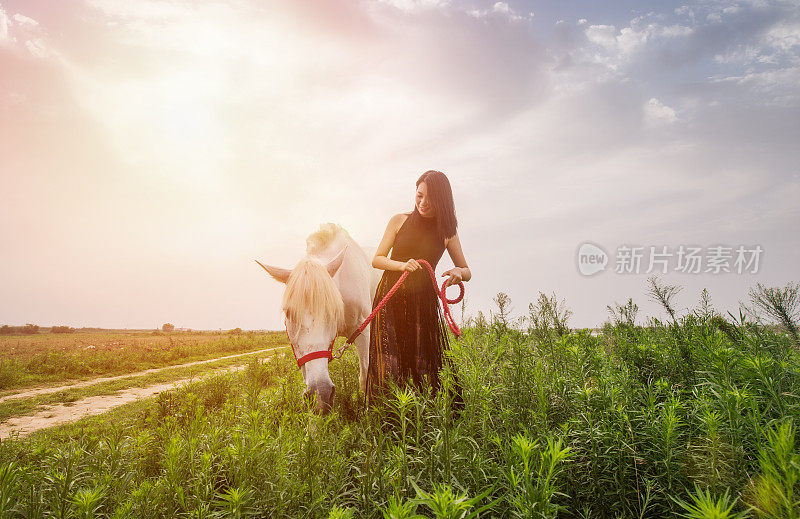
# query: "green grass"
{"points": [[692, 418]]}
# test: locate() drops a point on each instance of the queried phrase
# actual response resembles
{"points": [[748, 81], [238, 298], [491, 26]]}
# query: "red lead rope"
{"points": [[330, 355]]}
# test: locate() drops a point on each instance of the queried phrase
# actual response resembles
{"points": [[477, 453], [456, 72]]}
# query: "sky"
{"points": [[151, 150]]}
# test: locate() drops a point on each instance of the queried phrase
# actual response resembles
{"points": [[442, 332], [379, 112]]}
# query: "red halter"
{"points": [[320, 354], [329, 353]]}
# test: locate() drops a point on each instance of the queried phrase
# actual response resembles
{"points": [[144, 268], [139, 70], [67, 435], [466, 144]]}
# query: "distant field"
{"points": [[47, 358]]}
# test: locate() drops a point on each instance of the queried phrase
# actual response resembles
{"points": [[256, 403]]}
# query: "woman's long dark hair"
{"points": [[441, 196]]}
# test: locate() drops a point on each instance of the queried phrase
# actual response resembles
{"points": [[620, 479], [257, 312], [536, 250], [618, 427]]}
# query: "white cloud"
{"points": [[671, 31], [634, 36], [629, 40], [503, 9], [24, 20], [37, 48], [744, 54], [23, 33], [779, 43], [657, 113], [604, 35], [615, 49], [5, 22], [756, 44], [784, 37], [416, 6], [770, 87], [149, 9], [717, 13]]}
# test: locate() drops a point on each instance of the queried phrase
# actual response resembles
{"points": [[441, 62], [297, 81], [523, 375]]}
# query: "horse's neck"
{"points": [[356, 273], [333, 248]]}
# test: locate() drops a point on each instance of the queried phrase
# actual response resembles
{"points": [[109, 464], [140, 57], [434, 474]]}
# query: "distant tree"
{"points": [[235, 331], [167, 327], [62, 329], [30, 329], [6, 330]]}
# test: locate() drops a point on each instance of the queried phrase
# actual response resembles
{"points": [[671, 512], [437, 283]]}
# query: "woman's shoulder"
{"points": [[399, 219], [449, 240]]}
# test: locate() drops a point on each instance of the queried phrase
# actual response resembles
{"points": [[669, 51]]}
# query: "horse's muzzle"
{"points": [[320, 397]]}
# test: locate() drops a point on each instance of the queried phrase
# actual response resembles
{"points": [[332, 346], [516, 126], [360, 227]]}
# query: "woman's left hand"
{"points": [[455, 277]]}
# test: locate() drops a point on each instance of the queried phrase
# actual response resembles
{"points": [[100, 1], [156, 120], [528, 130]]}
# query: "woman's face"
{"points": [[423, 203]]}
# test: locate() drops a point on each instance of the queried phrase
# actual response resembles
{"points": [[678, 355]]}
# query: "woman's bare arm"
{"points": [[457, 255], [381, 259]]}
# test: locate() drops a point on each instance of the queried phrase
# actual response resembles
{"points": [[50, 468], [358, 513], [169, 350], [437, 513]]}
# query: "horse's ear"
{"points": [[334, 264], [279, 274]]}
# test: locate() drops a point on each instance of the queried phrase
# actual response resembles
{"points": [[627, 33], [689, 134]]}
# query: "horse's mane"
{"points": [[331, 238], [327, 235], [311, 290]]}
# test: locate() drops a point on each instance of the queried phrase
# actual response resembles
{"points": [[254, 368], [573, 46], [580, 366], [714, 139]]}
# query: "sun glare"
{"points": [[184, 120]]}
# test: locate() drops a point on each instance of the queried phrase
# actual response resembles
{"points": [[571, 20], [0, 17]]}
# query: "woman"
{"points": [[408, 336]]}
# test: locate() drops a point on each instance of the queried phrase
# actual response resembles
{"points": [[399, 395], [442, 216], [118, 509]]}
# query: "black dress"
{"points": [[408, 336]]}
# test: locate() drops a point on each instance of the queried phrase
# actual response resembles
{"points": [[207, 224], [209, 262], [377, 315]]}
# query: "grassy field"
{"points": [[695, 417], [50, 359]]}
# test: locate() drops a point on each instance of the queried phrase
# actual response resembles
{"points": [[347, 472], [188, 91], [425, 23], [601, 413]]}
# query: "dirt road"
{"points": [[46, 390], [94, 405]]}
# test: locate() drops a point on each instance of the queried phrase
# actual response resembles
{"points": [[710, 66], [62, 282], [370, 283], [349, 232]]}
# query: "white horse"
{"points": [[328, 294]]}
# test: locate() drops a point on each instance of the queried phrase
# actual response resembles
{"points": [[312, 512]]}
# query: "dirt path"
{"points": [[46, 390], [94, 405]]}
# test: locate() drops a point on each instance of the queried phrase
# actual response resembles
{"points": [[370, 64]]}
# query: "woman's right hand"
{"points": [[410, 265]]}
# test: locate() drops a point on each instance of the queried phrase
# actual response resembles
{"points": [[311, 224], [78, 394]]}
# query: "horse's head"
{"points": [[314, 311]]}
